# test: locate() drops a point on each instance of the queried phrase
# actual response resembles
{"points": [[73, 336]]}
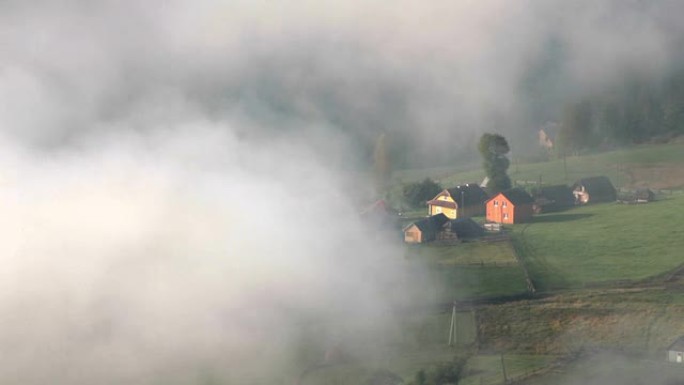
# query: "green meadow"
{"points": [[603, 244]]}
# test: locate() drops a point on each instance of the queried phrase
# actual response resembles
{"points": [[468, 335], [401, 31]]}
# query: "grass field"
{"points": [[469, 270], [603, 243], [487, 369], [416, 342], [639, 321], [600, 369], [473, 253], [655, 165]]}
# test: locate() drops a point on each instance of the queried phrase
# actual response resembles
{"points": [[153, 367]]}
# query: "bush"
{"points": [[444, 374], [416, 194]]}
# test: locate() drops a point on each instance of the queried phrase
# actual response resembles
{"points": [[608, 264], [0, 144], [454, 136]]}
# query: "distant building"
{"points": [[458, 202], [675, 352], [546, 135], [641, 195], [594, 189], [425, 230], [644, 195], [553, 198], [510, 206]]}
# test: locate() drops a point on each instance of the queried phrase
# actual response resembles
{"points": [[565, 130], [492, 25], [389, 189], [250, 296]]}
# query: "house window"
{"points": [[505, 215], [505, 204], [496, 203]]}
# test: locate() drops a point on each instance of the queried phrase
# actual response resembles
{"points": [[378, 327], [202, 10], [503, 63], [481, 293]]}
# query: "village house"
{"points": [[594, 189], [546, 135], [552, 198], [510, 206], [459, 202], [675, 352], [425, 230]]}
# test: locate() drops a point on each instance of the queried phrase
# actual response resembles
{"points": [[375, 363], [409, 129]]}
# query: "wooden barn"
{"points": [[594, 189], [425, 230], [510, 206], [459, 202], [675, 352], [553, 198]]}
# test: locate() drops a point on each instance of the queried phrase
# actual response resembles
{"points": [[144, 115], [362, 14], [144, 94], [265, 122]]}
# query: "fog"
{"points": [[175, 176]]}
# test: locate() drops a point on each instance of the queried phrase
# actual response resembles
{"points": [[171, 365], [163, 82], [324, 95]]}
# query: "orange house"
{"points": [[510, 206]]}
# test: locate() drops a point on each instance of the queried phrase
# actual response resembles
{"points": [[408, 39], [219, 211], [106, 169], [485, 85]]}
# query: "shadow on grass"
{"points": [[559, 218]]}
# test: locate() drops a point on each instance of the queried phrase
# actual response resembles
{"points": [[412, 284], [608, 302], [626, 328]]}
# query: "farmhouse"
{"points": [[510, 206], [675, 352], [553, 198], [458, 202], [546, 135], [425, 230], [594, 189]]}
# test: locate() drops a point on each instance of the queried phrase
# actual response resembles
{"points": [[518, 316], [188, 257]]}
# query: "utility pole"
{"points": [[503, 367], [452, 328]]}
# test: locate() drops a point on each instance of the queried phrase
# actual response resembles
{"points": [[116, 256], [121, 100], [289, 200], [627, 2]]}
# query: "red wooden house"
{"points": [[510, 206]]}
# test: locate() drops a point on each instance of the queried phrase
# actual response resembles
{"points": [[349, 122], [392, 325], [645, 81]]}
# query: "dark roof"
{"points": [[596, 185], [433, 223], [473, 194], [518, 196], [466, 228], [678, 345], [559, 194]]}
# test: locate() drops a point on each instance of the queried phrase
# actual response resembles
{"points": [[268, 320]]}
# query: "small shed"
{"points": [[675, 352], [425, 230], [594, 189], [644, 195], [458, 202], [510, 206], [553, 198], [641, 195]]}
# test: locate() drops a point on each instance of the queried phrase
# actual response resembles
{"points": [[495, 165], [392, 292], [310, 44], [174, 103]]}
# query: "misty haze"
{"points": [[342, 192]]}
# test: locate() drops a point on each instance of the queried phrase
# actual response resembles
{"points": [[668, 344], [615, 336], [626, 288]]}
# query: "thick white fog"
{"points": [[172, 205]]}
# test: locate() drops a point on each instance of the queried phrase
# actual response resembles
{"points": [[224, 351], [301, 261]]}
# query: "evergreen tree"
{"points": [[493, 148]]}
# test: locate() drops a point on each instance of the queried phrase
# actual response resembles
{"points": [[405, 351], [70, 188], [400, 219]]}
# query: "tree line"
{"points": [[635, 110]]}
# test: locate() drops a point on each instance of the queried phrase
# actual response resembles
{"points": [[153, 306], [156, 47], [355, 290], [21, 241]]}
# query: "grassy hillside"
{"points": [[603, 243], [655, 165], [600, 369], [639, 321], [469, 270]]}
